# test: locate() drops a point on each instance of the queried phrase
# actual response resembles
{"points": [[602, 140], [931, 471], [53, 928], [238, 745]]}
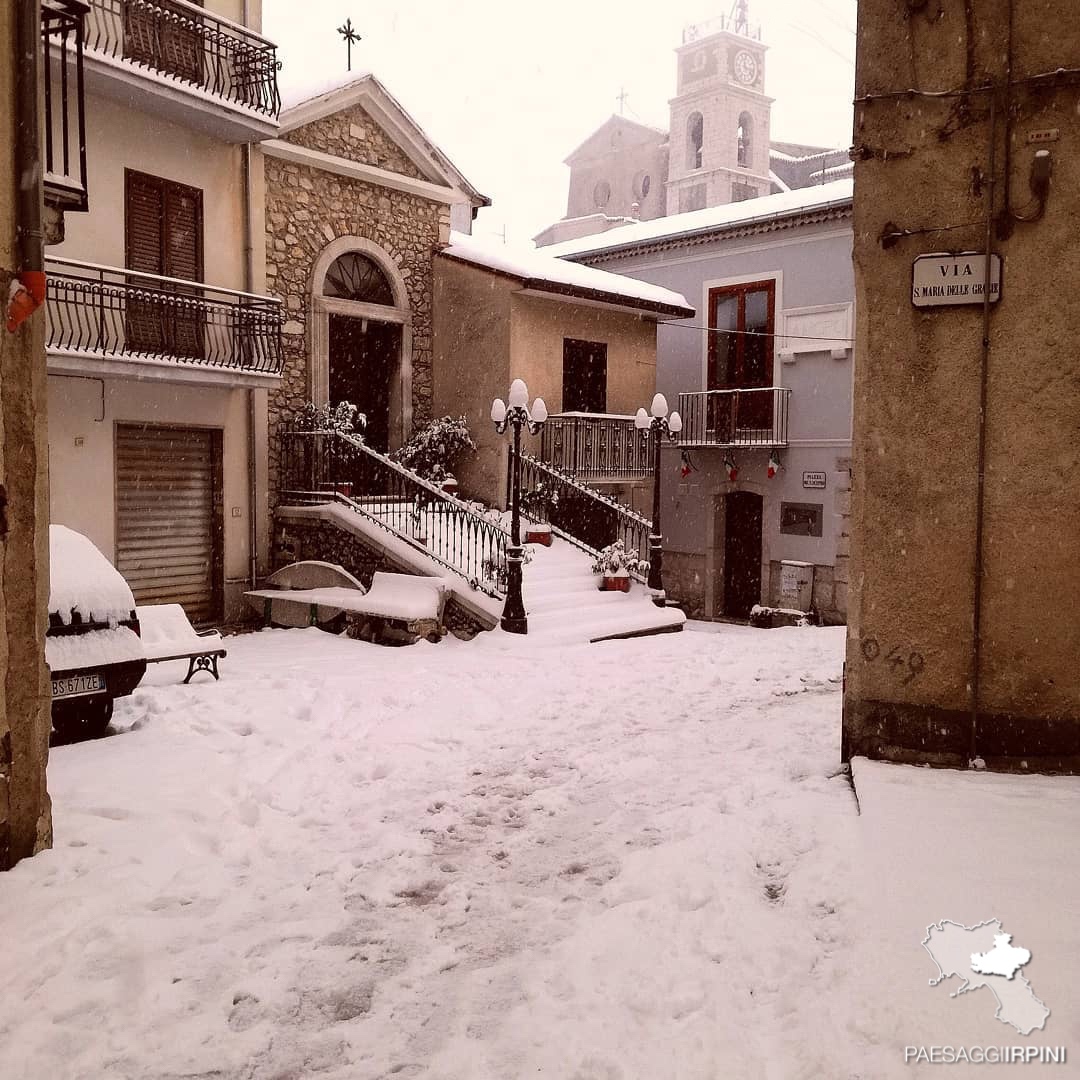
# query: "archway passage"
{"points": [[742, 553], [364, 369]]}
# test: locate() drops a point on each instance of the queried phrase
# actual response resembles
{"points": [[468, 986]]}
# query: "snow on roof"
{"points": [[538, 269], [782, 204], [307, 89], [81, 579]]}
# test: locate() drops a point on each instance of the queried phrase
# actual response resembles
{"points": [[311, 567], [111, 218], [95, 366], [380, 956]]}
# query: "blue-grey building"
{"points": [[756, 494]]}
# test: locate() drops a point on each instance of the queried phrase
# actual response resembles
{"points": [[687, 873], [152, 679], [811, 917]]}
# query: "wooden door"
{"points": [[742, 553]]}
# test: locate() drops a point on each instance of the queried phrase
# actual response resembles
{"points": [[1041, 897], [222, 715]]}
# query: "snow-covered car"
{"points": [[92, 645]]}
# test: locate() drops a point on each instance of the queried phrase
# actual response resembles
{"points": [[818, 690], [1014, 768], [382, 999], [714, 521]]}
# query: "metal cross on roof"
{"points": [[351, 37], [621, 97]]}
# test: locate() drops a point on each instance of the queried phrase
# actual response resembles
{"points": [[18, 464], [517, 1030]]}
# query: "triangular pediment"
{"points": [[617, 132]]}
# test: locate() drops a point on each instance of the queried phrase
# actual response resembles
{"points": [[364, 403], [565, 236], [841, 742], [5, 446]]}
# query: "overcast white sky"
{"points": [[507, 90]]}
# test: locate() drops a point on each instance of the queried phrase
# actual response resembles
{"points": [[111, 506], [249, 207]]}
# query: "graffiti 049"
{"points": [[904, 663]]}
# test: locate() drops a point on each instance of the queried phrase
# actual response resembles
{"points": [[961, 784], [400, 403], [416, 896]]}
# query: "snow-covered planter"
{"points": [[537, 505], [614, 564], [538, 533], [435, 448]]}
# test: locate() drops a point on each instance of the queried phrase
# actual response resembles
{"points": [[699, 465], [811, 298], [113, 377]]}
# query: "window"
{"points": [[800, 519], [163, 227], [743, 135], [742, 192], [584, 376], [602, 194], [740, 353], [695, 138], [166, 37], [642, 186], [353, 276]]}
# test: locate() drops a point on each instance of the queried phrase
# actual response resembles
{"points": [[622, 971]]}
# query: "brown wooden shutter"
{"points": [[144, 214]]}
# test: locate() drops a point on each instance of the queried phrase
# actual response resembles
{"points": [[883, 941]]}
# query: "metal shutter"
{"points": [[167, 519]]}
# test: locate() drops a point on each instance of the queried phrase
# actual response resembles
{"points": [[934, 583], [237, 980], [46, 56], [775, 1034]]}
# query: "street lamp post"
{"points": [[660, 424], [514, 618]]}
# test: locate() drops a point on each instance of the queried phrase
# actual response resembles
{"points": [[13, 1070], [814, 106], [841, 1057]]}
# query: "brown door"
{"points": [[742, 321], [584, 387], [163, 227], [364, 361], [742, 553]]}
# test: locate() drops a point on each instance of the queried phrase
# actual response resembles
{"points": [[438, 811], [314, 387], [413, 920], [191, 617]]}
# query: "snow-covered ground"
{"points": [[501, 859]]}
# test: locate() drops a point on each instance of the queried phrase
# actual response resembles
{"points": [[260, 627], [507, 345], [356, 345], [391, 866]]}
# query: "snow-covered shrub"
{"points": [[616, 561], [539, 502], [433, 450], [344, 417]]}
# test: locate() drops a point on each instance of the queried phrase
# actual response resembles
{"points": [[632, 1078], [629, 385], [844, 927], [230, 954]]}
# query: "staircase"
{"points": [[338, 480]]}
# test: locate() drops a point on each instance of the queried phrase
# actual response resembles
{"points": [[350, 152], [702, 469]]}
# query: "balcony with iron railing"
{"points": [[746, 417], [113, 319], [202, 68], [596, 447], [64, 115]]}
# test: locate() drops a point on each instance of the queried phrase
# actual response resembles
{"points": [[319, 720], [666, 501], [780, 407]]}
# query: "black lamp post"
{"points": [[514, 619], [660, 424]]}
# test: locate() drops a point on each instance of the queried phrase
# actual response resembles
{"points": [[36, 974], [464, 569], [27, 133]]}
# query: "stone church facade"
{"points": [[717, 149], [357, 202]]}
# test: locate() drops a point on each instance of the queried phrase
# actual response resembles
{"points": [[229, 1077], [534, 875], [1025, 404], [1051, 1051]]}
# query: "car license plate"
{"points": [[77, 685]]}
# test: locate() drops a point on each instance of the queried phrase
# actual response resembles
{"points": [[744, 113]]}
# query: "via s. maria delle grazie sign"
{"points": [[942, 280]]}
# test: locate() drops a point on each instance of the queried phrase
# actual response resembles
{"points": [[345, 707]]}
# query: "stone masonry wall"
{"points": [[307, 208]]}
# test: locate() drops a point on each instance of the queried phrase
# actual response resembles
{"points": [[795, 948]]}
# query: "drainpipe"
{"points": [[249, 286], [980, 491], [28, 289]]}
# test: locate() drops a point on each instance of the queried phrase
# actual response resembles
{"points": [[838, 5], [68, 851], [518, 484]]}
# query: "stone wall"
{"points": [[308, 208]]}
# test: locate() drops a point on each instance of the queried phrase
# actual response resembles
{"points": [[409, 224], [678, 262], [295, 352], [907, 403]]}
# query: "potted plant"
{"points": [[433, 450], [537, 505], [614, 564]]}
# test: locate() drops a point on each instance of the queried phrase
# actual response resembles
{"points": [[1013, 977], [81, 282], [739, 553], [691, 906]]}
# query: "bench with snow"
{"points": [[397, 607], [168, 635]]}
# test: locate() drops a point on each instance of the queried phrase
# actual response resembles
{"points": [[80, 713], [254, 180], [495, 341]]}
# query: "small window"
{"points": [[695, 140], [602, 193], [801, 519], [353, 276], [642, 186]]}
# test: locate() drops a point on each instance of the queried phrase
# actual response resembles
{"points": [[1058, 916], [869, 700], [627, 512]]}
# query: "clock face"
{"points": [[745, 67]]}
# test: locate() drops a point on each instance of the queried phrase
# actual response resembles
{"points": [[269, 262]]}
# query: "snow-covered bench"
{"points": [[168, 635], [318, 594]]}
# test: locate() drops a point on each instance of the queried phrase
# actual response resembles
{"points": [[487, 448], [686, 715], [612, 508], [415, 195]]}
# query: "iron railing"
{"points": [[65, 108], [329, 466], [580, 514], [104, 312], [184, 42], [755, 417], [596, 446]]}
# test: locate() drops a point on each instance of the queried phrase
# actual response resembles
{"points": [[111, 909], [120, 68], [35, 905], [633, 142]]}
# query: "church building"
{"points": [[717, 149]]}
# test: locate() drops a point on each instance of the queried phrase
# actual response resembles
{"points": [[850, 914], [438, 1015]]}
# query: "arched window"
{"points": [[695, 137], [744, 136], [354, 276]]}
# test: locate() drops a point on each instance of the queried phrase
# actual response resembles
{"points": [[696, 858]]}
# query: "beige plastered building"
{"points": [[963, 629]]}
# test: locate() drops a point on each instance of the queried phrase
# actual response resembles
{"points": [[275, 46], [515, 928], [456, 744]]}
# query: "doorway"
{"points": [[364, 361], [742, 553]]}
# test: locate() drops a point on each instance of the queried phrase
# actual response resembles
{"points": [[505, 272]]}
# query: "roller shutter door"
{"points": [[168, 517]]}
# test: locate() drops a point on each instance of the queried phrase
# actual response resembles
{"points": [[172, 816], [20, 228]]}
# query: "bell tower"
{"points": [[719, 137]]}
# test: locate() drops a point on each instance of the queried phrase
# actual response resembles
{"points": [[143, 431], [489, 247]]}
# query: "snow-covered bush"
{"points": [[616, 561], [539, 502], [433, 450], [344, 417]]}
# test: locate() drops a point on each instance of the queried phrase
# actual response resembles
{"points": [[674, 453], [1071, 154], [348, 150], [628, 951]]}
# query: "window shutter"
{"points": [[183, 232], [143, 214]]}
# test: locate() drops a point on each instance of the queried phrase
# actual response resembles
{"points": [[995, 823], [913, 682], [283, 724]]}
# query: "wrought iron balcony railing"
{"points": [[752, 417], [65, 115], [184, 42], [107, 313], [596, 446]]}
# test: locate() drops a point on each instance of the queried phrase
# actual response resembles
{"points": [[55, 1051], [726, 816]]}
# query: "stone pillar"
{"points": [[25, 811]]}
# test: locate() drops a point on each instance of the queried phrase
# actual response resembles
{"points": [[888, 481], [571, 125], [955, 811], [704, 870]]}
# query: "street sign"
{"points": [[813, 480], [943, 280]]}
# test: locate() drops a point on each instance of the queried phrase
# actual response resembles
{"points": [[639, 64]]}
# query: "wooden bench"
{"points": [[411, 606], [168, 635]]}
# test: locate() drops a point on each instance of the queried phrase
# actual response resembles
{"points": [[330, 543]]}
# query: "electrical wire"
{"points": [[984, 88], [757, 333]]}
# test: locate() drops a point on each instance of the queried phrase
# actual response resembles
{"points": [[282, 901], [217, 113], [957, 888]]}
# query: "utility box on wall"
{"points": [[796, 585]]}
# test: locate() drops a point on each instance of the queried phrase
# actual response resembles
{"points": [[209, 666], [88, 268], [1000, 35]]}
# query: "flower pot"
{"points": [[615, 583], [538, 534], [450, 485]]}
